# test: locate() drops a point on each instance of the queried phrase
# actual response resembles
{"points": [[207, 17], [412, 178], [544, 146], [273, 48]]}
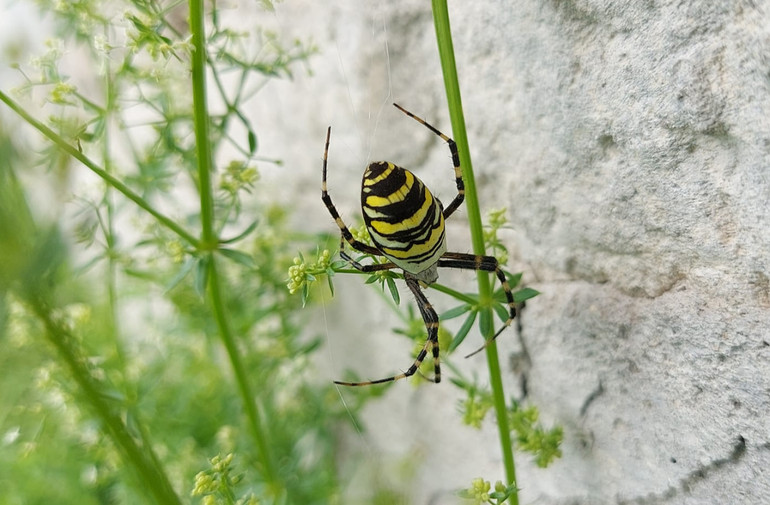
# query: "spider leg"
{"points": [[431, 344], [346, 236], [486, 264], [376, 267], [455, 162]]}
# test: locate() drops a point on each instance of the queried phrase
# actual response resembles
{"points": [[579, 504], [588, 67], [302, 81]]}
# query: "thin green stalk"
{"points": [[201, 118], [446, 55], [256, 426], [108, 178], [153, 477], [210, 243]]}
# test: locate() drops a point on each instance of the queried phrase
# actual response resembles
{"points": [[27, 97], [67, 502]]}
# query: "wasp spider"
{"points": [[406, 223]]}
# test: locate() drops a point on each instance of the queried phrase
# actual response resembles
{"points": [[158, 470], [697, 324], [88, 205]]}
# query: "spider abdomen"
{"points": [[404, 219]]}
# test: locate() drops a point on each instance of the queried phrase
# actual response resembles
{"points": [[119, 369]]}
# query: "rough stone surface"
{"points": [[630, 142]]}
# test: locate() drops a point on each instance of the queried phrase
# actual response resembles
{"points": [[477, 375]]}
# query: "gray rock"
{"points": [[630, 142]]}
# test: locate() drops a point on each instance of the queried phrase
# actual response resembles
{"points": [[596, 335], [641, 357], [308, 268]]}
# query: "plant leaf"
{"points": [[455, 312], [242, 234], [513, 279], [202, 274], [463, 331], [502, 311], [239, 257], [329, 274], [305, 293], [486, 324], [525, 294], [187, 266], [393, 290]]}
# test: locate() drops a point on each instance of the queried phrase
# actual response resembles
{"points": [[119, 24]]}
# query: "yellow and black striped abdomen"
{"points": [[404, 219]]}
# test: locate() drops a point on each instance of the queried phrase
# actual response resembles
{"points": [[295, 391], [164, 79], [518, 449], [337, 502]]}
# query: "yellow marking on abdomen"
{"points": [[397, 196], [409, 223], [383, 175], [417, 249]]}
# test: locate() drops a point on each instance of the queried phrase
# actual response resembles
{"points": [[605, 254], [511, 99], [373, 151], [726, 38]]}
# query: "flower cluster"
{"points": [[496, 219], [297, 275], [361, 234], [238, 176], [302, 274], [475, 408], [479, 492], [176, 251], [61, 94], [532, 437], [216, 485]]}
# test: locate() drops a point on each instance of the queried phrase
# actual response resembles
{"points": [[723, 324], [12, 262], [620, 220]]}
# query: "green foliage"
{"points": [[530, 436], [139, 347], [218, 485], [480, 492], [496, 220], [533, 438], [134, 351], [302, 275]]}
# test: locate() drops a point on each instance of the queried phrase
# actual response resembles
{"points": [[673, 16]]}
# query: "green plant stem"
{"points": [[152, 476], [446, 55], [201, 120], [256, 426], [107, 177], [210, 243]]}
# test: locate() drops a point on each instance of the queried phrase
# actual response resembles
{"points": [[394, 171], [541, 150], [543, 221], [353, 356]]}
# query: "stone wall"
{"points": [[630, 142]]}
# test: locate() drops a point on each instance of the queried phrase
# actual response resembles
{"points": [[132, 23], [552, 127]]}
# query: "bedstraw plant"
{"points": [[154, 347]]}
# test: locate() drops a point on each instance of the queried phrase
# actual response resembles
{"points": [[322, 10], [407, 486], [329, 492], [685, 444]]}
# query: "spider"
{"points": [[406, 224]]}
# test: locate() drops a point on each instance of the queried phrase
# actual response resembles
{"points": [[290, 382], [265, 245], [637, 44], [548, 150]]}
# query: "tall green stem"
{"points": [[140, 459], [449, 69], [210, 243]]}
